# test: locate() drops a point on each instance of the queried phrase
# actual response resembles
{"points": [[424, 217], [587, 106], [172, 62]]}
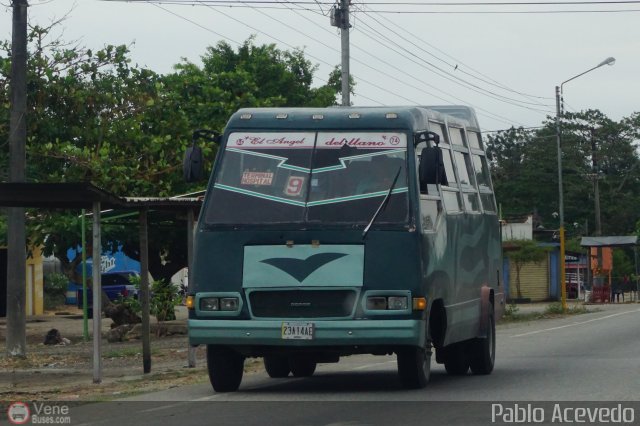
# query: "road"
{"points": [[590, 357]]}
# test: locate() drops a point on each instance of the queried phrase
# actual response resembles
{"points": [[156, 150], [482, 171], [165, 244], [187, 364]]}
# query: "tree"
{"points": [[96, 118], [524, 169]]}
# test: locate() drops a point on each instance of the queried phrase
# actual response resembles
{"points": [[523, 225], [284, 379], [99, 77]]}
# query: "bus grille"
{"points": [[302, 303]]}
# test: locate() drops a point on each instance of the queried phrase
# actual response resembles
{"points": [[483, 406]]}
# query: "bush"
{"points": [[55, 289], [511, 311], [163, 299], [555, 308]]}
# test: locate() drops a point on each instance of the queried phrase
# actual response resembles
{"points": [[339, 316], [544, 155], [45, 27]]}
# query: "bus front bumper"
{"points": [[326, 333]]}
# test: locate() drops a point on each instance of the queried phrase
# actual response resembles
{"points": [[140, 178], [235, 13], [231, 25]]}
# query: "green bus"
{"points": [[331, 232]]}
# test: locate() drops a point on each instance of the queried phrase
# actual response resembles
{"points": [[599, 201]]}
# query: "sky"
{"points": [[505, 65]]}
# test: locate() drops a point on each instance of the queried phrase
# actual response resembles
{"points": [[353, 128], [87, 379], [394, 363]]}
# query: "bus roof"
{"points": [[391, 117]]}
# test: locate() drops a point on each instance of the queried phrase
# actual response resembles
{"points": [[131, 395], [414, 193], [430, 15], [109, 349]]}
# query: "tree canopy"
{"points": [[94, 116], [525, 172]]}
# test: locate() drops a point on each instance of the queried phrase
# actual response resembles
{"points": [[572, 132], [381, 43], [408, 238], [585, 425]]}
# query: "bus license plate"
{"points": [[297, 330]]}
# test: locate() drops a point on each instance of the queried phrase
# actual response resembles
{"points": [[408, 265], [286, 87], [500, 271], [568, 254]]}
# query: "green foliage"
{"points": [[555, 308], [95, 117], [524, 251], [525, 172], [55, 288], [3, 231], [163, 300], [511, 311]]}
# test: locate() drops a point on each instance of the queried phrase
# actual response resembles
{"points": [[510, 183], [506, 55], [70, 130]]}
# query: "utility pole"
{"points": [[596, 189], [16, 253], [340, 19], [563, 286]]}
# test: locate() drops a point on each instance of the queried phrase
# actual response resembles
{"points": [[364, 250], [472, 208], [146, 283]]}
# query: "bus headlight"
{"points": [[229, 304], [209, 304], [376, 303], [397, 303], [387, 303]]}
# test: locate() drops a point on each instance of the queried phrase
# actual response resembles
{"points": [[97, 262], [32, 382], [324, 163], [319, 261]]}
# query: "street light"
{"points": [[559, 112]]}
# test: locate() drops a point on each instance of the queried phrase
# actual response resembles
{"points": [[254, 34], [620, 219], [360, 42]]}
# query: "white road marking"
{"points": [[574, 324], [362, 367], [164, 407]]}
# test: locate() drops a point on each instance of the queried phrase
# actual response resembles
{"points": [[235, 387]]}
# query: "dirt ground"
{"points": [[65, 372]]}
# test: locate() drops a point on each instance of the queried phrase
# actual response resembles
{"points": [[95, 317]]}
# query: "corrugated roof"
{"points": [[82, 196]]}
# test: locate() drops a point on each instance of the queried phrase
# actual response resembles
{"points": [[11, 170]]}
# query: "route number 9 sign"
{"points": [[295, 184]]}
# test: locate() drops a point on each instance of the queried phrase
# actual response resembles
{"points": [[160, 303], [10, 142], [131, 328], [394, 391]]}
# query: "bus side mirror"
{"points": [[426, 137], [193, 163], [431, 171], [193, 166]]}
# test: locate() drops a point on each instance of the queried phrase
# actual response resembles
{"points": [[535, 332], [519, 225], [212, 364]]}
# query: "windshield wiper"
{"points": [[382, 205]]}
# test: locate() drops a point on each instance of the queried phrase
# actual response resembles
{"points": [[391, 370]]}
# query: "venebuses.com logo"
{"points": [[19, 413]]}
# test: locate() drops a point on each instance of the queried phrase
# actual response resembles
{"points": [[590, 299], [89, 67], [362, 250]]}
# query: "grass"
{"points": [[553, 310]]}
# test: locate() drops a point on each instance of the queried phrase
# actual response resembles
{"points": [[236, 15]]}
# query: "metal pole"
{"points": [[190, 231], [16, 238], [596, 189], [96, 270], [85, 310], [563, 288], [344, 37], [635, 257], [144, 292]]}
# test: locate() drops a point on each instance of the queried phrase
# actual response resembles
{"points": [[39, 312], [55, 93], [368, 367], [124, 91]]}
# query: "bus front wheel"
{"points": [[302, 366], [414, 366], [225, 368], [277, 366]]}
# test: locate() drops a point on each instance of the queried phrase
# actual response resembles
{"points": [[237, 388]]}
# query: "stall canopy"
{"points": [[609, 241], [84, 195]]}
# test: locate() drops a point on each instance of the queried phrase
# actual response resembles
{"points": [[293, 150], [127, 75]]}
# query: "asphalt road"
{"points": [[591, 357]]}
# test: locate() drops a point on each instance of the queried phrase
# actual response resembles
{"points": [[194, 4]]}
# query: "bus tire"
{"points": [[225, 368], [456, 360], [414, 366], [277, 366], [302, 366], [483, 353]]}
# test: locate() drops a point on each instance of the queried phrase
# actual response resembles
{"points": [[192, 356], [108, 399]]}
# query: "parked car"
{"points": [[114, 284]]}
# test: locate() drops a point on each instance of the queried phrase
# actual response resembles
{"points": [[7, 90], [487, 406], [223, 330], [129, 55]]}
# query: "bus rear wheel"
{"points": [[302, 366], [483, 352], [277, 366], [456, 360], [414, 366], [225, 368]]}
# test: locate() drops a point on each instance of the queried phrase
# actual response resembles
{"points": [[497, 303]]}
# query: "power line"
{"points": [[383, 89], [446, 75], [502, 12], [458, 62], [304, 6], [395, 4], [495, 116]]}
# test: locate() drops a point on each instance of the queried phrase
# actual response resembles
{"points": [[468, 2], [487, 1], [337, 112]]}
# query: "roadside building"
{"points": [[34, 283]]}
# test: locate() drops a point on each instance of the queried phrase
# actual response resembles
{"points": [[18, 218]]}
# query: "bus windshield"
{"points": [[308, 177]]}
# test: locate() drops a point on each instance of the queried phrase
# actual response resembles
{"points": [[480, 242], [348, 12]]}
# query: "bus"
{"points": [[329, 232]]}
